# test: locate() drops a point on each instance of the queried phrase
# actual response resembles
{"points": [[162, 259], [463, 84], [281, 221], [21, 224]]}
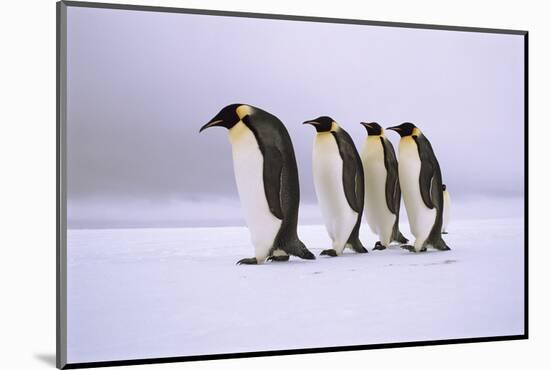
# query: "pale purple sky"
{"points": [[140, 84]]}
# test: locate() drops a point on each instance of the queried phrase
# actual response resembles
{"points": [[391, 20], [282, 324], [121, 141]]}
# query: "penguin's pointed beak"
{"points": [[313, 122], [212, 123], [367, 125], [394, 128]]}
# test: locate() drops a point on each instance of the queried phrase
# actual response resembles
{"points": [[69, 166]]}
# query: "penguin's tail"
{"points": [[441, 245], [396, 235], [353, 240], [356, 245], [298, 249]]}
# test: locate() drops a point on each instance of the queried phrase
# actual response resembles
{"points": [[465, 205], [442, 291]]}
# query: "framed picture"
{"points": [[238, 184]]}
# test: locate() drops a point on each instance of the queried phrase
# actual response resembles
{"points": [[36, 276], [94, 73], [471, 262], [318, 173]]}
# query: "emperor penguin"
{"points": [[382, 191], [267, 181], [446, 209], [421, 184], [339, 184]]}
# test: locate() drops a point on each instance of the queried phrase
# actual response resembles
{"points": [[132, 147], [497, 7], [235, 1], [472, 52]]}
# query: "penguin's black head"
{"points": [[228, 116], [404, 129], [321, 124], [373, 128], [444, 187]]}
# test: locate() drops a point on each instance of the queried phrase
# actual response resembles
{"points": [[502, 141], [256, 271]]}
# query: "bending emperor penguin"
{"points": [[382, 191], [339, 184], [446, 209], [267, 181], [421, 184]]}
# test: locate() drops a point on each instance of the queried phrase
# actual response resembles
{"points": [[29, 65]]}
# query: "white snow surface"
{"points": [[147, 293]]}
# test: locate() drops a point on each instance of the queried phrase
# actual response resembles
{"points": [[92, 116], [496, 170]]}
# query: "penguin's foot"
{"points": [[444, 248], [410, 248], [248, 261], [360, 249], [378, 246], [329, 252], [306, 255], [278, 258], [300, 250]]}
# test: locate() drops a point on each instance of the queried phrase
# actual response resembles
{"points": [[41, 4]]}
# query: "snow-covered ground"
{"points": [[142, 293]]}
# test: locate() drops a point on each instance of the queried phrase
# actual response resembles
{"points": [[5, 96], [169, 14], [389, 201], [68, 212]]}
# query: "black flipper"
{"points": [[428, 164], [273, 168], [426, 183], [393, 188], [352, 170]]}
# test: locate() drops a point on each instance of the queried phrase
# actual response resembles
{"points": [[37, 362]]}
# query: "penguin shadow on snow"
{"points": [[277, 264], [424, 258], [437, 263]]}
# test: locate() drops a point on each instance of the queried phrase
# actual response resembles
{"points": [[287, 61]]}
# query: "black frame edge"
{"points": [[304, 351], [61, 274], [61, 246], [526, 181], [287, 17]]}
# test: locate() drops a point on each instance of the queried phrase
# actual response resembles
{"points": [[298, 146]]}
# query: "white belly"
{"points": [[446, 209], [248, 165], [377, 213], [338, 216], [421, 218]]}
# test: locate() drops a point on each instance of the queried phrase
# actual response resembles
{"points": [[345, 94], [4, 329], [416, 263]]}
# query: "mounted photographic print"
{"points": [[238, 184]]}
